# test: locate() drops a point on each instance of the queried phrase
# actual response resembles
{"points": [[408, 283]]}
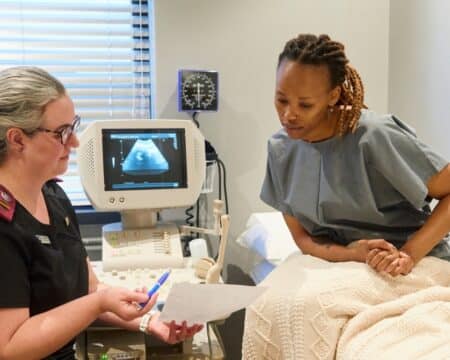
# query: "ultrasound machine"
{"points": [[139, 167]]}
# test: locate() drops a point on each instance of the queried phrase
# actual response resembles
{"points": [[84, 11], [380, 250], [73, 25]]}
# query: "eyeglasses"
{"points": [[65, 132]]}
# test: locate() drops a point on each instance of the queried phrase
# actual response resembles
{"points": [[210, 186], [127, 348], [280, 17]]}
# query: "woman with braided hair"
{"points": [[352, 185], [354, 188]]}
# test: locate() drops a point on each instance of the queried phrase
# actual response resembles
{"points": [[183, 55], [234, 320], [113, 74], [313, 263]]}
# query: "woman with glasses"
{"points": [[49, 292]]}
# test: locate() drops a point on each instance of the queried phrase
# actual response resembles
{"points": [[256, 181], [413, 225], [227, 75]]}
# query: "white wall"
{"points": [[242, 39], [419, 81]]}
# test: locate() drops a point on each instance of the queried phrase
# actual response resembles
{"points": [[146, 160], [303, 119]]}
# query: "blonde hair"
{"points": [[24, 93]]}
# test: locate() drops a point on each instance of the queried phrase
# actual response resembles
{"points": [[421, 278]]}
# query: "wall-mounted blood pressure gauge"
{"points": [[197, 90]]}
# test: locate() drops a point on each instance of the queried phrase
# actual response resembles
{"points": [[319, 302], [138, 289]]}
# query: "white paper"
{"points": [[199, 303]]}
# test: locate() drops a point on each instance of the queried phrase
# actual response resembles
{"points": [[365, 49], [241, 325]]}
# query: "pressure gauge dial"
{"points": [[197, 90]]}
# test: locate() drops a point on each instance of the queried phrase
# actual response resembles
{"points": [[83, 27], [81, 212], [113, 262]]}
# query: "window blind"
{"points": [[99, 49]]}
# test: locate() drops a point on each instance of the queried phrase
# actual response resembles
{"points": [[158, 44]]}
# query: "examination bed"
{"points": [[314, 309]]}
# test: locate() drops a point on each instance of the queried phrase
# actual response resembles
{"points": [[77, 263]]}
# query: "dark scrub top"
{"points": [[43, 266], [370, 184]]}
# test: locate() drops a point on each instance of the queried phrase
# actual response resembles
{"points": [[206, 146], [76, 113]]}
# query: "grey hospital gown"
{"points": [[370, 184]]}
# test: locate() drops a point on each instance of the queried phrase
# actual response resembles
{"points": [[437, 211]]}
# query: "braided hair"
{"points": [[321, 50]]}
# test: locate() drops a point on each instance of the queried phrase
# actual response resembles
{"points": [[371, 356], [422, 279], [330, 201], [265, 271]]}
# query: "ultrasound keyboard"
{"points": [[137, 278]]}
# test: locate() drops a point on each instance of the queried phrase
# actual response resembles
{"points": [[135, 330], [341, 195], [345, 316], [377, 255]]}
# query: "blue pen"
{"points": [[157, 285]]}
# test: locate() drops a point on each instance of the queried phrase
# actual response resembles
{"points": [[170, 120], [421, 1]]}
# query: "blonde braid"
{"points": [[351, 101]]}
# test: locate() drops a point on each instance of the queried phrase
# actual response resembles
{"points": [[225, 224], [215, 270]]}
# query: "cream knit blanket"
{"points": [[315, 309]]}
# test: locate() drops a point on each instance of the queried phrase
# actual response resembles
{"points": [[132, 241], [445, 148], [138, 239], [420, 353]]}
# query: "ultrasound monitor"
{"points": [[139, 167]]}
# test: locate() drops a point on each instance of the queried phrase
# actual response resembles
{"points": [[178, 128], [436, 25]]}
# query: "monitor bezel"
{"points": [[90, 163]]}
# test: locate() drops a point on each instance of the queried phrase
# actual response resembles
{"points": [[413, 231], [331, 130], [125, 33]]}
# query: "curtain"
{"points": [[99, 49]]}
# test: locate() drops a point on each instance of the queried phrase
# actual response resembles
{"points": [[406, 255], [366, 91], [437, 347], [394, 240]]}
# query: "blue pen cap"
{"points": [[164, 277]]}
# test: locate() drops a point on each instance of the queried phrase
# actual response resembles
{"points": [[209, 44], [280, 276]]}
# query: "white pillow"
{"points": [[268, 236]]}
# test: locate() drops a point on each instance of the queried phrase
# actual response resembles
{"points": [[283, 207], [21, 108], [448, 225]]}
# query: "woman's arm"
{"points": [[35, 337], [325, 249], [438, 224], [25, 337], [170, 333], [107, 317]]}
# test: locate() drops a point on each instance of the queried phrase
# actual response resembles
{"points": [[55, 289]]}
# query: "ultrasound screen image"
{"points": [[144, 159]]}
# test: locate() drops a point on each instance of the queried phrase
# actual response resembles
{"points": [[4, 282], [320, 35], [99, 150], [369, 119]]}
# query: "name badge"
{"points": [[44, 239]]}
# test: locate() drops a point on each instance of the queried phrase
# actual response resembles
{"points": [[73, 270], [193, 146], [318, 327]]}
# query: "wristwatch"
{"points": [[143, 325]]}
